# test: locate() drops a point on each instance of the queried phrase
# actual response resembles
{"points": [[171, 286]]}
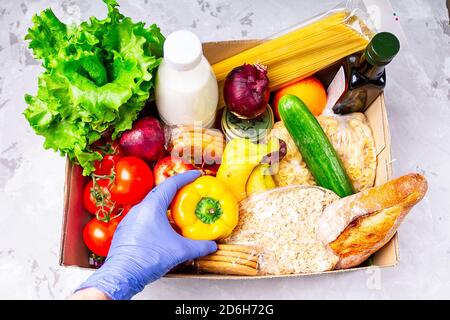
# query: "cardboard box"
{"points": [[74, 252]]}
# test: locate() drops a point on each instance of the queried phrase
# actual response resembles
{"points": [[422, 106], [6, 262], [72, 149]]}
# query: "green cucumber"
{"points": [[312, 142]]}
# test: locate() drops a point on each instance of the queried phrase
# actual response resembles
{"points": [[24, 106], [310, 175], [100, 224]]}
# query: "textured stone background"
{"points": [[418, 102]]}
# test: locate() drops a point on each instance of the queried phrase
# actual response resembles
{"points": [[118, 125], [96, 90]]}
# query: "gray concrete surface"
{"points": [[418, 102]]}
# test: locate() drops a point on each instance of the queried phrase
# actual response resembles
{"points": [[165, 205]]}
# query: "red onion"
{"points": [[246, 90], [145, 140]]}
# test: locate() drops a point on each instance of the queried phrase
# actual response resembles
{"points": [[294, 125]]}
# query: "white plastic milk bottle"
{"points": [[186, 87]]}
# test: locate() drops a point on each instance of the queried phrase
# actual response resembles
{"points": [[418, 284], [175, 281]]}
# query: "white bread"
{"points": [[355, 227]]}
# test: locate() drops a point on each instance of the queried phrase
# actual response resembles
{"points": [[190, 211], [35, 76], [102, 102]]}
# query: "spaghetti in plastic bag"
{"points": [[306, 48]]}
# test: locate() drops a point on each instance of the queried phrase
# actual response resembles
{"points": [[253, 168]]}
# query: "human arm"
{"points": [[145, 246]]}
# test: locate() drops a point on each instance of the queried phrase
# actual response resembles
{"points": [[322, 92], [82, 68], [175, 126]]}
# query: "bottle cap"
{"points": [[254, 129], [382, 49], [183, 50]]}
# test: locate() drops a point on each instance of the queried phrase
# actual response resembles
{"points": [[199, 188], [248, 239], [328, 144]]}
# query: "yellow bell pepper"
{"points": [[205, 209]]}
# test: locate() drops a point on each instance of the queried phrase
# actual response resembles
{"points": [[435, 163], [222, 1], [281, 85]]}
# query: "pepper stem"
{"points": [[208, 210]]}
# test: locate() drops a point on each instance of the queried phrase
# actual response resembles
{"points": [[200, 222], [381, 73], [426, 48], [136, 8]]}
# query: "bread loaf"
{"points": [[355, 227]]}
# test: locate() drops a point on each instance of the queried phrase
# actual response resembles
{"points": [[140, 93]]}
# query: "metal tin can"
{"points": [[254, 129]]}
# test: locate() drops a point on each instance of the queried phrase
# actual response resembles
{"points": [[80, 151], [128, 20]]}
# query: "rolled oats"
{"points": [[281, 222]]}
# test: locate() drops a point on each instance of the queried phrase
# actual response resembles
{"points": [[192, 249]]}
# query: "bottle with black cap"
{"points": [[365, 75]]}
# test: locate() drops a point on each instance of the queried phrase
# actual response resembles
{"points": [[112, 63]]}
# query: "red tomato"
{"points": [[92, 197], [133, 181], [104, 166], [111, 154], [97, 235], [170, 166]]}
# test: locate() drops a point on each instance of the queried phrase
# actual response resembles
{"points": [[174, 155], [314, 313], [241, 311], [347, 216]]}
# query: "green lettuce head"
{"points": [[98, 76]]}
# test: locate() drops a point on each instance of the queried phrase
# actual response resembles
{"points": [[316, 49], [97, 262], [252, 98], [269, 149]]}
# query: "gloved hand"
{"points": [[144, 246]]}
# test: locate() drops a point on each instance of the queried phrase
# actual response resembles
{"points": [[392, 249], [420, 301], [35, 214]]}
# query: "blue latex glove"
{"points": [[144, 246]]}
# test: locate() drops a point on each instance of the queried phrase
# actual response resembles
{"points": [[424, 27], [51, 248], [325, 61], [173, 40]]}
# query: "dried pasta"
{"points": [[353, 140], [303, 51], [291, 169]]}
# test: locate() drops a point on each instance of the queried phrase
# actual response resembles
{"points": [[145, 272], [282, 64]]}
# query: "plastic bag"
{"points": [[307, 47], [196, 145], [291, 169], [281, 223], [353, 140]]}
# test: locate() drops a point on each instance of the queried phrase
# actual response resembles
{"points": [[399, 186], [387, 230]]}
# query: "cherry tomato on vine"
{"points": [[123, 211], [94, 197], [116, 213], [133, 180], [111, 153], [98, 234], [170, 166]]}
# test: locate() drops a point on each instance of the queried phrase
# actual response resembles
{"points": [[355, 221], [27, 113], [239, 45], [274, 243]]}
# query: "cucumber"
{"points": [[312, 142]]}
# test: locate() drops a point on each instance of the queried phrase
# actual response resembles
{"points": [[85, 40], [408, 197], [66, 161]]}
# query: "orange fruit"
{"points": [[310, 90]]}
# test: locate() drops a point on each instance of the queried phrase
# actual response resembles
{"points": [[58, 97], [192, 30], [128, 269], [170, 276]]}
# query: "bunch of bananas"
{"points": [[241, 168]]}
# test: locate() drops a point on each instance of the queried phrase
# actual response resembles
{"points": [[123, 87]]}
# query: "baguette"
{"points": [[356, 226]]}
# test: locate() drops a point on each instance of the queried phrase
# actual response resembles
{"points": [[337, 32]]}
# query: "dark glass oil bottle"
{"points": [[365, 75]]}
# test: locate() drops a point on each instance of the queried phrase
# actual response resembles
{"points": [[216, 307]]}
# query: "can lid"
{"points": [[383, 47], [254, 129], [183, 50]]}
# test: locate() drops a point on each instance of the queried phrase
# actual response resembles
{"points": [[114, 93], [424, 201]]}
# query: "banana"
{"points": [[260, 180], [239, 159]]}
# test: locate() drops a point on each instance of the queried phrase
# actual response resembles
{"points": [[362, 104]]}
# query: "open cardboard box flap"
{"points": [[74, 252]]}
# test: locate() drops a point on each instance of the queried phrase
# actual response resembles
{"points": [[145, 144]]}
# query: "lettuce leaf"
{"points": [[98, 77]]}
